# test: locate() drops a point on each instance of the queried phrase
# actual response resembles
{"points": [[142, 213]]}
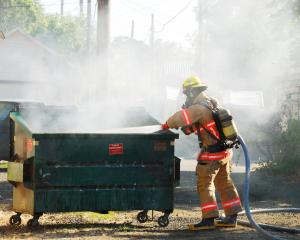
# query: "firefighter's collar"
{"points": [[201, 96]]}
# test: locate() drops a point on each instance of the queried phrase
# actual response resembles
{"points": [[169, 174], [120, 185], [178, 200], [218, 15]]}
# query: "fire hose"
{"points": [[260, 227]]}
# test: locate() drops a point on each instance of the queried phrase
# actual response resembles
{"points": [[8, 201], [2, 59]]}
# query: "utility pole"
{"points": [[153, 79], [132, 29], [152, 29], [1, 15], [62, 7], [103, 26], [81, 7], [88, 22], [102, 48]]}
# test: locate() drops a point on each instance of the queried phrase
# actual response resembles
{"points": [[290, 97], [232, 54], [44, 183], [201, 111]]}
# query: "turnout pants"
{"points": [[215, 175]]}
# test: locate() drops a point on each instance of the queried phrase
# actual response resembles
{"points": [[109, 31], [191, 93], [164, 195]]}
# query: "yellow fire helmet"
{"points": [[192, 82]]}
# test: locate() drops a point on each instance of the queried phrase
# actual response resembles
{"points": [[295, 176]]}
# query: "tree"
{"points": [[25, 14], [63, 33], [296, 8]]}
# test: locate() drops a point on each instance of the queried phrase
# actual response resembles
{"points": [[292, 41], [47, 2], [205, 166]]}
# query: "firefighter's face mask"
{"points": [[189, 97]]}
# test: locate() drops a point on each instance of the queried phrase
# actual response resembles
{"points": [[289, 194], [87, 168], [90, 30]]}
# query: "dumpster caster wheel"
{"points": [[15, 220], [142, 217], [163, 221], [33, 223]]}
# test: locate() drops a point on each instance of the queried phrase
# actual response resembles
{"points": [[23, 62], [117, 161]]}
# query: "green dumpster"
{"points": [[67, 172]]}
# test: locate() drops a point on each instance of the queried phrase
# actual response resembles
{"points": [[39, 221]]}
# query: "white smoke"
{"points": [[243, 46]]}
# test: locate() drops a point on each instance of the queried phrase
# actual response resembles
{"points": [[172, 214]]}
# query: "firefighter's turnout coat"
{"points": [[213, 168]]}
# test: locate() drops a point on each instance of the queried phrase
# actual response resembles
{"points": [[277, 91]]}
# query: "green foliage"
{"points": [[63, 33], [25, 14], [296, 7], [286, 151]]}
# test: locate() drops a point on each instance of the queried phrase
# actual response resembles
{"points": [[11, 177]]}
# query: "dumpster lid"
{"points": [[20, 101], [140, 130]]}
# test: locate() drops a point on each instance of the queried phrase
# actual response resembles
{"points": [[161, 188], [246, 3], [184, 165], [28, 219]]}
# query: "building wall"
{"points": [[30, 70], [22, 59]]}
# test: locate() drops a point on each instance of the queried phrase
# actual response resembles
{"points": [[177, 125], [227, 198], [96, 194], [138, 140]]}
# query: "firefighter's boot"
{"points": [[228, 221], [205, 224]]}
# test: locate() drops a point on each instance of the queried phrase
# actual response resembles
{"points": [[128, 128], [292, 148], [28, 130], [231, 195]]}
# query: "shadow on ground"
{"points": [[119, 231], [262, 188]]}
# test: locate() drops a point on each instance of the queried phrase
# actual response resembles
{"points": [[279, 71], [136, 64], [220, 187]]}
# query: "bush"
{"points": [[285, 151]]}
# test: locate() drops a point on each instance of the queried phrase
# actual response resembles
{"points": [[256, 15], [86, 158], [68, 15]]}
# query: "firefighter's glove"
{"points": [[165, 126], [187, 130]]}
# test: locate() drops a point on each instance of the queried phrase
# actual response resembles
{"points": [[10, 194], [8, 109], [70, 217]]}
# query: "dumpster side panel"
{"points": [[23, 199], [20, 172], [109, 175], [23, 143], [68, 200], [92, 148], [142, 161], [81, 173]]}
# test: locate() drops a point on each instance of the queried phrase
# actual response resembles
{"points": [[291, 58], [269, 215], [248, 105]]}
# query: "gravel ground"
{"points": [[123, 225]]}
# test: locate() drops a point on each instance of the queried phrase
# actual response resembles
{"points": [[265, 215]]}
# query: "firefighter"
{"points": [[213, 168]]}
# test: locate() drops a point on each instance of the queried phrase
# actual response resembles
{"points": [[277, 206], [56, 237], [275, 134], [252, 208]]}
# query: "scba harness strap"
{"points": [[213, 128]]}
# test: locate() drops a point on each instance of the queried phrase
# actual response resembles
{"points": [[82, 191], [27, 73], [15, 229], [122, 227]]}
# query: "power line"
{"points": [[175, 16], [139, 9]]}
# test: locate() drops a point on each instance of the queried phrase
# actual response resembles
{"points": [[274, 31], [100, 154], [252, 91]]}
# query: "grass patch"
{"points": [[126, 227], [98, 216]]}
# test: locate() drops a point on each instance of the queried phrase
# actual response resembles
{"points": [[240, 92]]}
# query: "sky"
{"points": [[178, 28]]}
